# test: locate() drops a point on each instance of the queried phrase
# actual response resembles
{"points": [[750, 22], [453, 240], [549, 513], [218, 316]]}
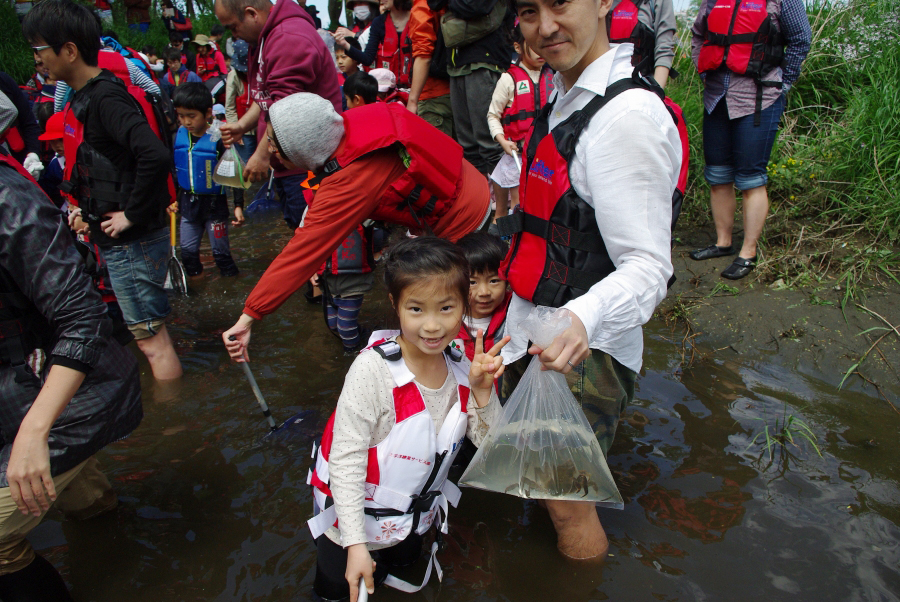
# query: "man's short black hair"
{"points": [[483, 251], [217, 30], [192, 96], [172, 54], [109, 33], [363, 85], [176, 36], [58, 22]]}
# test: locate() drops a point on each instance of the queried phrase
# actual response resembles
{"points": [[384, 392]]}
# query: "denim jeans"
{"points": [[737, 151], [137, 271], [191, 235]]}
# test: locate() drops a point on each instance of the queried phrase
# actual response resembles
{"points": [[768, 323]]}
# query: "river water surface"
{"points": [[208, 512]]}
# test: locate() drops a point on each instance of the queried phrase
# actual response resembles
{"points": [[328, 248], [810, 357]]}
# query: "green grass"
{"points": [[17, 60], [786, 431]]}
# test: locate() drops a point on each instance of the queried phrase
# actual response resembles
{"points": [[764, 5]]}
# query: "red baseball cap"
{"points": [[55, 127]]}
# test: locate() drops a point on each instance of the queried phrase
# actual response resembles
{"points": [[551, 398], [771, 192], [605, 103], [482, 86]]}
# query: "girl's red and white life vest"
{"points": [[557, 252], [624, 26], [431, 182], [395, 52], [744, 36], [527, 101], [406, 475]]}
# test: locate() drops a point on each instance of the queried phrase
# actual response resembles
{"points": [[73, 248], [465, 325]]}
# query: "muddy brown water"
{"points": [[208, 512]]}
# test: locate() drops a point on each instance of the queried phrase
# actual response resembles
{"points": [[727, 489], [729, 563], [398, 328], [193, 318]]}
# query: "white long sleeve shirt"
{"points": [[626, 167]]}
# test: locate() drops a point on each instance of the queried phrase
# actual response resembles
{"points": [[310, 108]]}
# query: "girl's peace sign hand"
{"points": [[486, 368]]}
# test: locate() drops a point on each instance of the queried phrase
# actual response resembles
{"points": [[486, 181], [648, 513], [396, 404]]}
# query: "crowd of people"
{"points": [[521, 154]]}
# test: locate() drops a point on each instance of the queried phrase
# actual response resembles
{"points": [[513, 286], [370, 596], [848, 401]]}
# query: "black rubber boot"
{"points": [[38, 582]]}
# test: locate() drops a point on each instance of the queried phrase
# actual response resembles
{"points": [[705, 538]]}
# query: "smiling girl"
{"points": [[380, 473]]}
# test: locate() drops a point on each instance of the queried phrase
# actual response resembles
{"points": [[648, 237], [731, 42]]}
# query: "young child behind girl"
{"points": [[406, 404], [519, 95]]}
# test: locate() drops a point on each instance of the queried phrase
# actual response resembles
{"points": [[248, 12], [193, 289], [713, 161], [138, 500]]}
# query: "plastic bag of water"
{"points": [[542, 446]]}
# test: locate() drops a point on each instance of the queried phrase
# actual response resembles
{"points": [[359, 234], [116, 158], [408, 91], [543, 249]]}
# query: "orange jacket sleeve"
{"points": [[343, 201]]}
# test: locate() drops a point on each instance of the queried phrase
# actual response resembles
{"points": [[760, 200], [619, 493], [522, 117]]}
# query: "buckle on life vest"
{"points": [[389, 350], [453, 353]]}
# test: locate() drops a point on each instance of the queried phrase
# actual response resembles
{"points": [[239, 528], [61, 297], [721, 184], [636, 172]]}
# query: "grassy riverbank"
{"points": [[835, 167]]}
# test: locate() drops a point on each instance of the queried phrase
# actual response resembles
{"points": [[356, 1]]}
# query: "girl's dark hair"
{"points": [[413, 260], [217, 30], [192, 96], [404, 5], [363, 85], [176, 36], [58, 22], [483, 251], [150, 50], [516, 36]]}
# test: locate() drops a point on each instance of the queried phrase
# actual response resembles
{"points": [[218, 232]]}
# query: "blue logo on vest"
{"points": [[541, 171]]}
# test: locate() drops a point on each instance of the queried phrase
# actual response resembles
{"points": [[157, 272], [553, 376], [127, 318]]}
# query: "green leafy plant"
{"points": [[786, 431], [722, 288]]}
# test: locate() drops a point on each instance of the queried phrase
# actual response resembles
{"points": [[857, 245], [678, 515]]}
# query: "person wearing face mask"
{"points": [[364, 12]]}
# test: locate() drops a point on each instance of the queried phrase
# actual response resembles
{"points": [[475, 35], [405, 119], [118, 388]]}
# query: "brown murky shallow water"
{"points": [[208, 512]]}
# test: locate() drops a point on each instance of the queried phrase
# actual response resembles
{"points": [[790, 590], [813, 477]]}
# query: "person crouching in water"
{"points": [[406, 404], [202, 202]]}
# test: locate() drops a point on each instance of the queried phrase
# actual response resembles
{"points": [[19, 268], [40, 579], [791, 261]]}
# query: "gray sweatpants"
{"points": [[470, 97]]}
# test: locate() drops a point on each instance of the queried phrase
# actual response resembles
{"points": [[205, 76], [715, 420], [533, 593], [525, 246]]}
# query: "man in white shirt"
{"points": [[605, 211]]}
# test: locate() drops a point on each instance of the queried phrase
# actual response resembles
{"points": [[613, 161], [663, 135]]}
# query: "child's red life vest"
{"points": [[493, 334], [353, 256], [624, 26], [243, 101], [557, 252], [427, 188], [745, 37], [207, 66], [527, 100], [396, 96], [91, 179], [395, 52], [406, 474]]}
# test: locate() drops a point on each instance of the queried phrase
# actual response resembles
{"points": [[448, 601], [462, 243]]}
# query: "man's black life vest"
{"points": [[624, 26], [557, 252], [96, 183]]}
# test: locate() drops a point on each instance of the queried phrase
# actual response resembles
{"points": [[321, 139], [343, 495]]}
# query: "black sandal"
{"points": [[710, 252], [739, 268]]}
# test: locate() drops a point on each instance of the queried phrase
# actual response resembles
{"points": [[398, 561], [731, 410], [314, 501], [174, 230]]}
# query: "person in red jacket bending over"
{"points": [[378, 161]]}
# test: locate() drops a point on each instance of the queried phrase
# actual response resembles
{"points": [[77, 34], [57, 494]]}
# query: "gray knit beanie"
{"points": [[307, 128]]}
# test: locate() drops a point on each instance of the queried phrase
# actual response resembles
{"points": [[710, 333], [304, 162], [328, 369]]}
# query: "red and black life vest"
{"points": [[395, 52], [745, 37], [624, 26], [207, 66], [353, 256], [90, 178], [427, 188], [527, 101], [396, 96], [557, 252]]}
